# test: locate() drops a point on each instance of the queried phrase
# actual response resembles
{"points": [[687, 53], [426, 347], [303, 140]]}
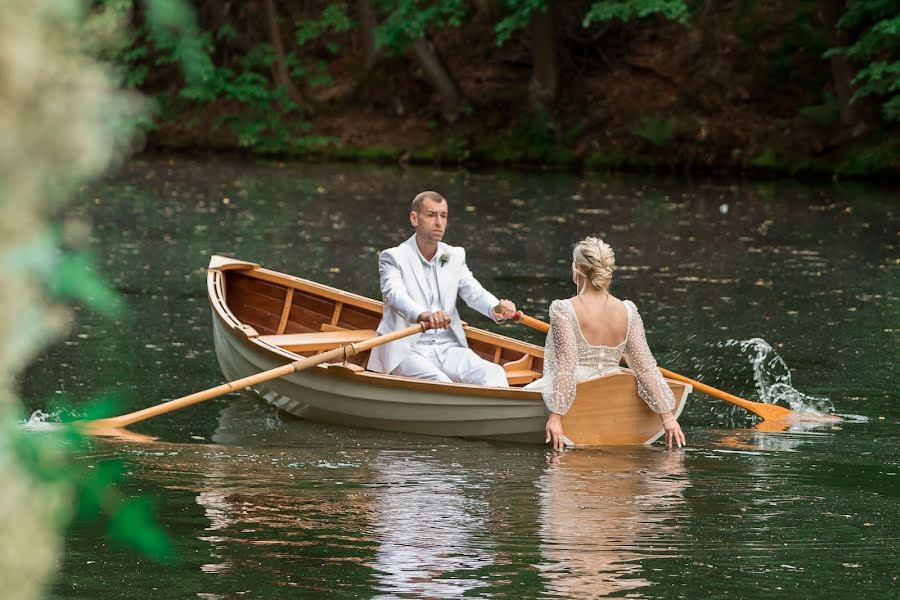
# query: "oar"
{"points": [[766, 411], [99, 426]]}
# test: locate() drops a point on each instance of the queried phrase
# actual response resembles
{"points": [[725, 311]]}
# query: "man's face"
{"points": [[431, 220]]}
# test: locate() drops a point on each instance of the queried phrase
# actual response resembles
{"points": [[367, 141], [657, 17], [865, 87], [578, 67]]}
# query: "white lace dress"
{"points": [[569, 358]]}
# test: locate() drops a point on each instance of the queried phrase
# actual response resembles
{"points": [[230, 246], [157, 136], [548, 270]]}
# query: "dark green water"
{"points": [[261, 505]]}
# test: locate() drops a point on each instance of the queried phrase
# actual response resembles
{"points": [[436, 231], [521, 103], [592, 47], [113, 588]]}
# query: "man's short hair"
{"points": [[418, 200]]}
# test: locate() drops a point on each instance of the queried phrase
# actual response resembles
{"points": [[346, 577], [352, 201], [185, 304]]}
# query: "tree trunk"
{"points": [[544, 75], [280, 72], [367, 25], [842, 70], [439, 78], [488, 8]]}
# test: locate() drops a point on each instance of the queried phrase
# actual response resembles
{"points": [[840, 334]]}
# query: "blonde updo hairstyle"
{"points": [[594, 260]]}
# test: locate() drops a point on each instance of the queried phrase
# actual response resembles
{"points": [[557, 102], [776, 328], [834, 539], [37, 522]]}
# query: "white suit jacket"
{"points": [[403, 291]]}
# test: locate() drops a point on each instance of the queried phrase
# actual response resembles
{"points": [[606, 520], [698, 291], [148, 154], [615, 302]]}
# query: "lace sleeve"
{"points": [[560, 359], [651, 386]]}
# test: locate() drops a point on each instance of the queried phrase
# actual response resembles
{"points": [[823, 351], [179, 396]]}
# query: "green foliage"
{"points": [[519, 13], [625, 10], [410, 20], [333, 19], [171, 25], [767, 159], [533, 138], [606, 160], [656, 130], [518, 16], [876, 50], [825, 114], [76, 277], [783, 55], [258, 110], [867, 161], [58, 458]]}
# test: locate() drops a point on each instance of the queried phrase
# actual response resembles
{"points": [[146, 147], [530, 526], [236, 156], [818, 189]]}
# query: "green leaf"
{"points": [[876, 50], [133, 523], [410, 20], [76, 278], [625, 10]]}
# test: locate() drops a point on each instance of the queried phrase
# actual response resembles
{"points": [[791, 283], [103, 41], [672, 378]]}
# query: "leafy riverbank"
{"points": [[738, 86]]}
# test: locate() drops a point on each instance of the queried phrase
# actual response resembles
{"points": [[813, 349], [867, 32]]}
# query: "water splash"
{"points": [[42, 421], [772, 379]]}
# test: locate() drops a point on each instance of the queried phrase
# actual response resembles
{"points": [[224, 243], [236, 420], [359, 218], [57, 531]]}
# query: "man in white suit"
{"points": [[420, 281]]}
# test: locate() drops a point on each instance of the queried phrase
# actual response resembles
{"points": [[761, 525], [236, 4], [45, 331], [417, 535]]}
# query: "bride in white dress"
{"points": [[589, 334]]}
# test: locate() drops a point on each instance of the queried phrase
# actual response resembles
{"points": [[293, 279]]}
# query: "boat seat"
{"points": [[317, 341], [521, 377], [519, 372]]}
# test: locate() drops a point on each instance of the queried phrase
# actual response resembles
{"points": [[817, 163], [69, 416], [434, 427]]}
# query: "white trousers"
{"points": [[449, 362]]}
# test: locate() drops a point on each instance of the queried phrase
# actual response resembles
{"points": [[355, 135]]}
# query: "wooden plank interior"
{"points": [[302, 319], [337, 313], [357, 318], [288, 299], [319, 290], [483, 349], [260, 287], [255, 303], [324, 306], [308, 313]]}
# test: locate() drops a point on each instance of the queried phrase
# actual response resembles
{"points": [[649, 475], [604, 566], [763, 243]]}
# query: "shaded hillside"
{"points": [[738, 85]]}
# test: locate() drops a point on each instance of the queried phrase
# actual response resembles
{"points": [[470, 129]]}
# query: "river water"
{"points": [[769, 290]]}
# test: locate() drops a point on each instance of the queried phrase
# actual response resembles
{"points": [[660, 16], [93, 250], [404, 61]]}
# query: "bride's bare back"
{"points": [[602, 318]]}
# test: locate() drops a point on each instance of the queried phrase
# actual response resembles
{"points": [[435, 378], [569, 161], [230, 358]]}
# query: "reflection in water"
{"points": [[429, 527], [220, 512], [603, 513]]}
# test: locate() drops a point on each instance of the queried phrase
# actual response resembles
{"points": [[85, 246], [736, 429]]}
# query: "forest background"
{"points": [[791, 86]]}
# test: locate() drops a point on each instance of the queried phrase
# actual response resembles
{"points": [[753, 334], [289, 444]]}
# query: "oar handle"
{"points": [[524, 319], [336, 354], [766, 411]]}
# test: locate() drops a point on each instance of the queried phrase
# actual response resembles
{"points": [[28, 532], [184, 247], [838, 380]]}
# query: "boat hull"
{"points": [[326, 395]]}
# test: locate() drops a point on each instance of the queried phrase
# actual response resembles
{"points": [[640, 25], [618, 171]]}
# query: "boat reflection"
{"points": [[775, 435], [429, 519], [298, 505], [603, 513]]}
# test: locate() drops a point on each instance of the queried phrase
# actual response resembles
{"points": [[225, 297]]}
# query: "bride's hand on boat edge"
{"points": [[674, 435]]}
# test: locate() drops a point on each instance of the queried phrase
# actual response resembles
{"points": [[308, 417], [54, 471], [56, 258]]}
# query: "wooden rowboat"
{"points": [[263, 319]]}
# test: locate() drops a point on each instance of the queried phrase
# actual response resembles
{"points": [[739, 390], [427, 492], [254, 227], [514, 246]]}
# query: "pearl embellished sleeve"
{"points": [[651, 386], [560, 360]]}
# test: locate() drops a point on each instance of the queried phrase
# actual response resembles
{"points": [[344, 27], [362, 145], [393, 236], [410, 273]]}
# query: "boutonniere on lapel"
{"points": [[443, 259]]}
